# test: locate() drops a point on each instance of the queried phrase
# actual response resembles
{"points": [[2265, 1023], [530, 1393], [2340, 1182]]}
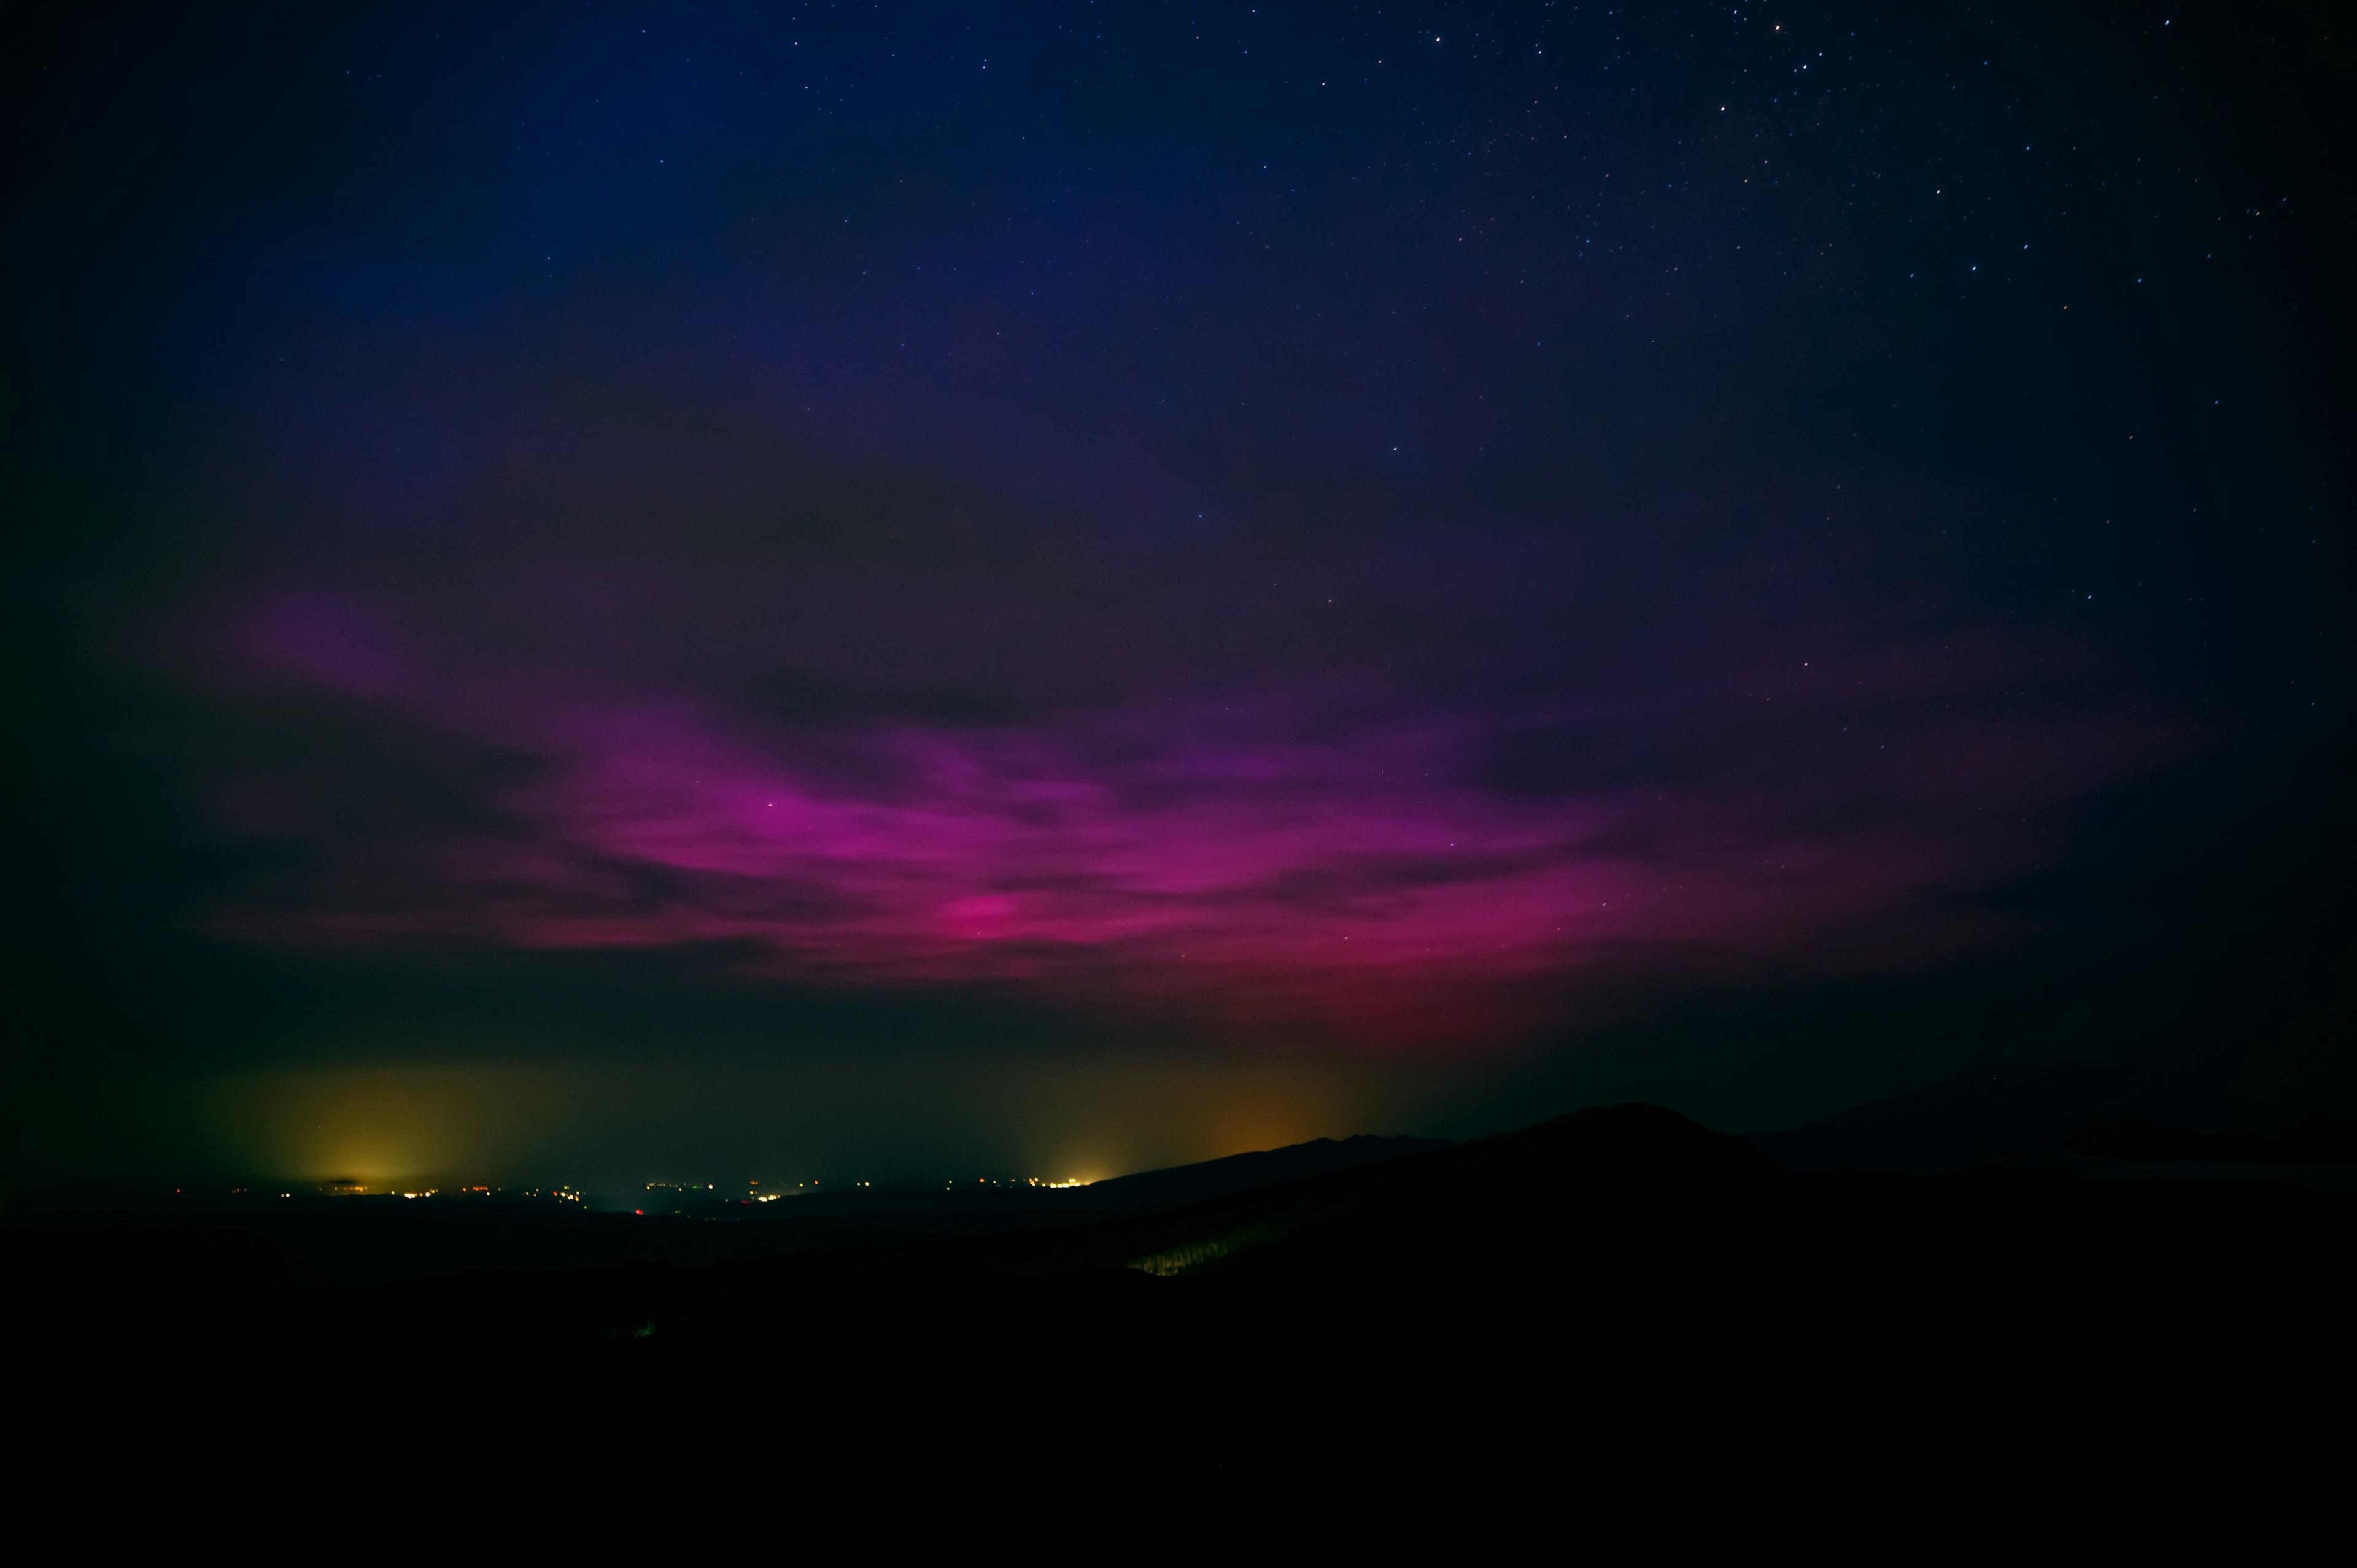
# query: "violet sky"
{"points": [[1358, 530]]}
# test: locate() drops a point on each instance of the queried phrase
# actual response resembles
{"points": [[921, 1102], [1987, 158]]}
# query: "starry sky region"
{"points": [[984, 576]]}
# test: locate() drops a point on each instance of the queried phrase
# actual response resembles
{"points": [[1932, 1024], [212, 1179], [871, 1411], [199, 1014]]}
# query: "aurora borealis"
{"points": [[1333, 547]]}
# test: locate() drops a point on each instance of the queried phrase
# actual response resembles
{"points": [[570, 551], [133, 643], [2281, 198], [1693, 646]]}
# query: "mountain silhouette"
{"points": [[2048, 1115], [1235, 1174]]}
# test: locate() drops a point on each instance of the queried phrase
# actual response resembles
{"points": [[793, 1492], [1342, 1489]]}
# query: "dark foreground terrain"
{"points": [[1614, 1310]]}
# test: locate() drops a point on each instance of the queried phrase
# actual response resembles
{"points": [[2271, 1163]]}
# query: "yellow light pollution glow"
{"points": [[1080, 1115]]}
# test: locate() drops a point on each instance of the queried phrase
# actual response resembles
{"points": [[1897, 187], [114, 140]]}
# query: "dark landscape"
{"points": [[1614, 1308]]}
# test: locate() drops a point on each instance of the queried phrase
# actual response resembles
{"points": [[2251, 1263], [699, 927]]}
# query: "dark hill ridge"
{"points": [[1209, 1179], [2087, 1117], [1637, 1174]]}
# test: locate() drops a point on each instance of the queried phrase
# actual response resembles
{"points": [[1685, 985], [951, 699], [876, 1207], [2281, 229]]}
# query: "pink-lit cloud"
{"points": [[1237, 861]]}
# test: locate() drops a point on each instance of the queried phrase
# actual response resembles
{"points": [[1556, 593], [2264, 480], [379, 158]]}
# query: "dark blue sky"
{"points": [[1297, 565]]}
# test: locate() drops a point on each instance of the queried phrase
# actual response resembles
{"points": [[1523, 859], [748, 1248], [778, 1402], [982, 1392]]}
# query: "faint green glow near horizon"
{"points": [[1084, 1116]]}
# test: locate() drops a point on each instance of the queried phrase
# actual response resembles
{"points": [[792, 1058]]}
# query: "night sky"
{"points": [[616, 592]]}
